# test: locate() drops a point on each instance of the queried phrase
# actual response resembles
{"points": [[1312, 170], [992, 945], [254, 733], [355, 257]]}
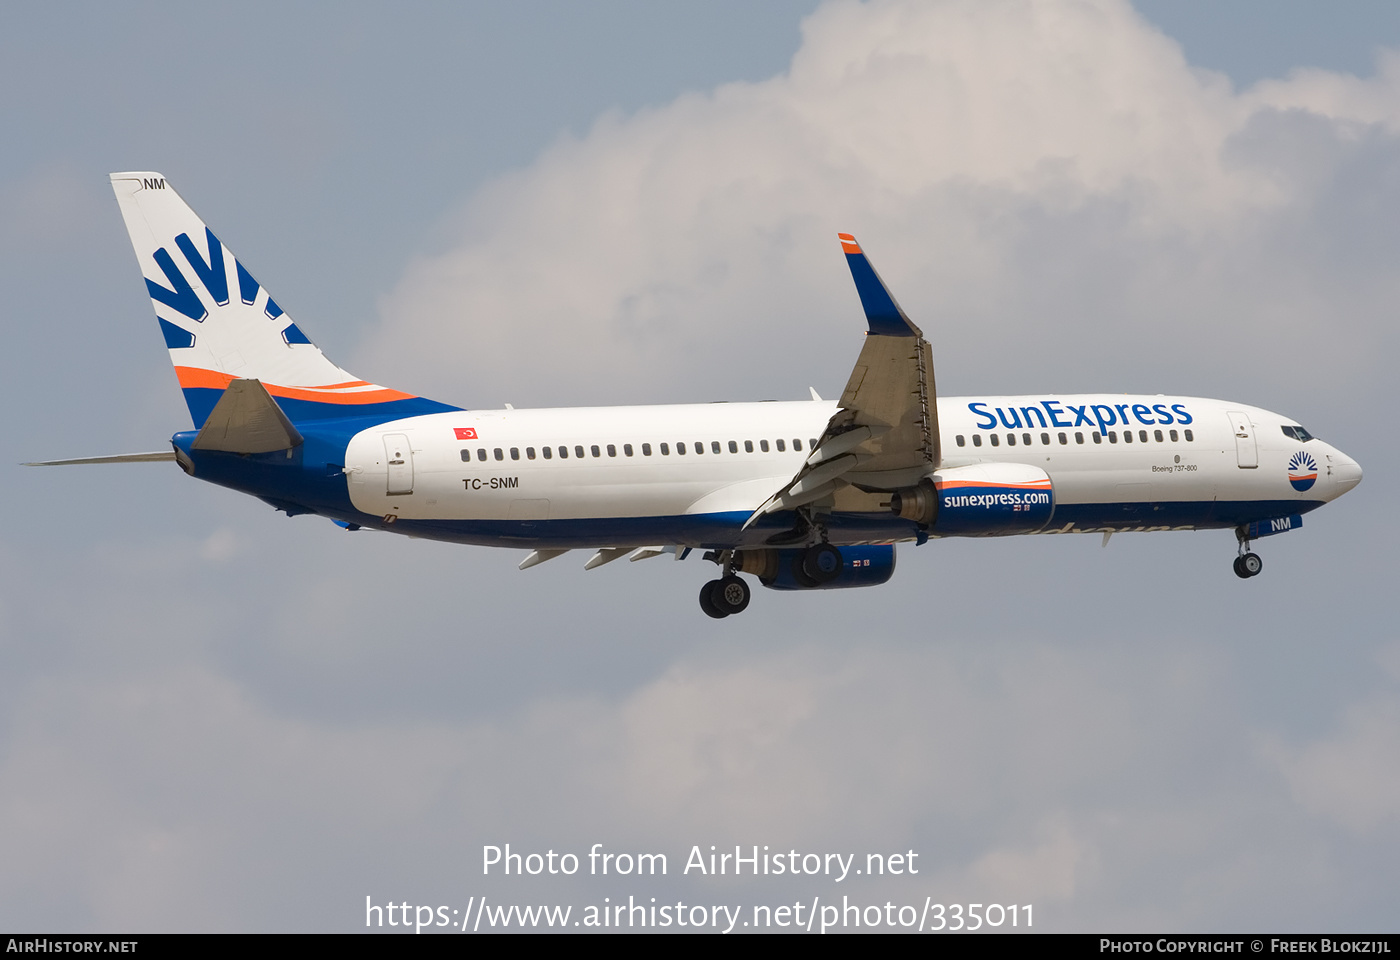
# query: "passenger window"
{"points": [[612, 450], [481, 453], [962, 441], [547, 451], [680, 449], [1063, 439], [665, 449], [977, 439], [1113, 436], [1157, 435], [627, 449], [796, 444], [733, 447], [1189, 437], [1098, 437], [1172, 434], [500, 454], [1142, 435], [714, 446], [515, 453], [781, 447], [1078, 437], [763, 445], [699, 447], [466, 456], [748, 446], [563, 453], [1127, 436], [996, 440], [578, 451], [646, 449], [1045, 439], [1011, 439], [529, 453], [1026, 439], [593, 449], [812, 444]]}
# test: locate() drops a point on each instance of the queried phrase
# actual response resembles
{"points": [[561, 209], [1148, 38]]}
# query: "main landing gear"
{"points": [[1247, 564], [818, 564], [724, 597], [729, 594], [813, 566]]}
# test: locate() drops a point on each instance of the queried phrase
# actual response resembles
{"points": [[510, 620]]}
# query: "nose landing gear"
{"points": [[1247, 564]]}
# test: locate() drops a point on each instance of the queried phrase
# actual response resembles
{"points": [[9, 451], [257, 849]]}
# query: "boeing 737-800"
{"points": [[803, 496]]}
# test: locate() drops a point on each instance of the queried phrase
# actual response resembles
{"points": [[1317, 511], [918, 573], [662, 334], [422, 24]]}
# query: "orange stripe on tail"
{"points": [[341, 393]]}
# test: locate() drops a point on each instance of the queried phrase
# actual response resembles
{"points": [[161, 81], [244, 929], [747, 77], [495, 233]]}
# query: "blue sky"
{"points": [[216, 718]]}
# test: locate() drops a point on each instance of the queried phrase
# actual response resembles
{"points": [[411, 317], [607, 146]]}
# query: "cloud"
{"points": [[1037, 180], [178, 799], [1352, 776]]}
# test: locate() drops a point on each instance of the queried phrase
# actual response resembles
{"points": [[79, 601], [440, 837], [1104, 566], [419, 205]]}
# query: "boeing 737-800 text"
{"points": [[803, 496]]}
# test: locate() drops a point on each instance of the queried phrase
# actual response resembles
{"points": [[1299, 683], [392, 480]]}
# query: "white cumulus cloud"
{"points": [[1027, 176]]}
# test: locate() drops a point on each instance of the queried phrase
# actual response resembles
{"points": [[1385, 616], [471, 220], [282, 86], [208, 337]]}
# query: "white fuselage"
{"points": [[490, 465]]}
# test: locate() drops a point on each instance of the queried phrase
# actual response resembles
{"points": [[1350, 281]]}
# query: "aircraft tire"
{"points": [[707, 601], [799, 571], [822, 563], [1251, 564], [730, 595], [1239, 571]]}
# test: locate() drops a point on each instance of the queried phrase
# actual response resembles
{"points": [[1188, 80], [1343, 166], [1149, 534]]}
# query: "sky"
{"points": [[214, 718]]}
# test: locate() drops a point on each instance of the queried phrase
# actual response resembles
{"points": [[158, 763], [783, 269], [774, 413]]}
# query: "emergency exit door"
{"points": [[399, 456]]}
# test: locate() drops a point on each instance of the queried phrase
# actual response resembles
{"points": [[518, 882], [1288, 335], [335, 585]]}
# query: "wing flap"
{"points": [[885, 433]]}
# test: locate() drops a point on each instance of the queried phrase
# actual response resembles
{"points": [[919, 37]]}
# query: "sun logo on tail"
{"points": [[1302, 470]]}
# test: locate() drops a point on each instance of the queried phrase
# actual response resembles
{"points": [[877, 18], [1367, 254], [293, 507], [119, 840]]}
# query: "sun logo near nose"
{"points": [[1302, 470]]}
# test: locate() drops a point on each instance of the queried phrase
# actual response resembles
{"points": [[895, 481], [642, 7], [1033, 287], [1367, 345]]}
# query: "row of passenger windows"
{"points": [[664, 449], [1027, 440]]}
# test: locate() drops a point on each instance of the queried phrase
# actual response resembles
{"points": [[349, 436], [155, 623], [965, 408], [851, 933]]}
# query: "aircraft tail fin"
{"points": [[221, 325]]}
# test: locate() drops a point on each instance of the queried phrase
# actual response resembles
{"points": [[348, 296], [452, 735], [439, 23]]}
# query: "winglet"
{"points": [[884, 315]]}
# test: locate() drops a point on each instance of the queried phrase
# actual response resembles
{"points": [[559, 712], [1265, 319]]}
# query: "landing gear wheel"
{"points": [[707, 601], [821, 563], [1251, 564], [730, 595], [1239, 571]]}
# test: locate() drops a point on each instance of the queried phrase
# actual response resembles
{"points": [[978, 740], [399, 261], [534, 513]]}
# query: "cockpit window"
{"points": [[1297, 433]]}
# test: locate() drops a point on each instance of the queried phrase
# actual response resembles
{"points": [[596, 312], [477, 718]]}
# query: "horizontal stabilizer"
{"points": [[155, 457], [246, 420]]}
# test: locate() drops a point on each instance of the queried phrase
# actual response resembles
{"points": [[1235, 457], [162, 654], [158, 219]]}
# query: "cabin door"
{"points": [[1246, 450], [399, 456]]}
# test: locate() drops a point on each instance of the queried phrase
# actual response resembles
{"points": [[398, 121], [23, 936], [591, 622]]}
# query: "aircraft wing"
{"points": [[885, 434]]}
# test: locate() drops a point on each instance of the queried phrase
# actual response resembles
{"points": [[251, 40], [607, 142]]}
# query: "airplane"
{"points": [[804, 495]]}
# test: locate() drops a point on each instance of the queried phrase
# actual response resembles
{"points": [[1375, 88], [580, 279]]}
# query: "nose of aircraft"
{"points": [[1346, 473]]}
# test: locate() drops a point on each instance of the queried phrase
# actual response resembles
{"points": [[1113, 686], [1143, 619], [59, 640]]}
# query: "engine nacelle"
{"points": [[984, 500], [861, 566]]}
